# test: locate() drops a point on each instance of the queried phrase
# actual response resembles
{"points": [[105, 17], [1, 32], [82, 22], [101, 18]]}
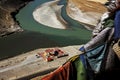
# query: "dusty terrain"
{"points": [[86, 11]]}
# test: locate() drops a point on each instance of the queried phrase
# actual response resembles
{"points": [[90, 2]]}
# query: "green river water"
{"points": [[36, 35]]}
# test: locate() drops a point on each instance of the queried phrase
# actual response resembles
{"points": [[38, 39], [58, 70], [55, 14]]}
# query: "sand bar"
{"points": [[49, 14]]}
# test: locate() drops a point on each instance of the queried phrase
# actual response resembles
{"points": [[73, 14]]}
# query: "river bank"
{"points": [[8, 11]]}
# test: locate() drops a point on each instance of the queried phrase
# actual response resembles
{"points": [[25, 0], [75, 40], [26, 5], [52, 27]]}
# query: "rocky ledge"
{"points": [[8, 10]]}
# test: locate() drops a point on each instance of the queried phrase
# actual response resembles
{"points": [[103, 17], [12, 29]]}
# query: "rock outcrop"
{"points": [[8, 9]]}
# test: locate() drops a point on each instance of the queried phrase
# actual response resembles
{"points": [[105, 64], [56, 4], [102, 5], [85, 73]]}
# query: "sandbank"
{"points": [[49, 14]]}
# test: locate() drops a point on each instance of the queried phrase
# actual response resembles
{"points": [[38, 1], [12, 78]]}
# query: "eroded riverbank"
{"points": [[8, 10]]}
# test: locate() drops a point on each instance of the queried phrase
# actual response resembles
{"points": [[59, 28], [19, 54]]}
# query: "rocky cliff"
{"points": [[8, 9]]}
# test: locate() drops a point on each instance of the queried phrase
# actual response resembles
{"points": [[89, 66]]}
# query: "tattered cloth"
{"points": [[73, 69]]}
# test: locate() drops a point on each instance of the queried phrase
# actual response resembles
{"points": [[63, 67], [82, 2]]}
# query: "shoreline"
{"points": [[14, 27]]}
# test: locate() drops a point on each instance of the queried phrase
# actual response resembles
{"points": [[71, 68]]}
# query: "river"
{"points": [[36, 35]]}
